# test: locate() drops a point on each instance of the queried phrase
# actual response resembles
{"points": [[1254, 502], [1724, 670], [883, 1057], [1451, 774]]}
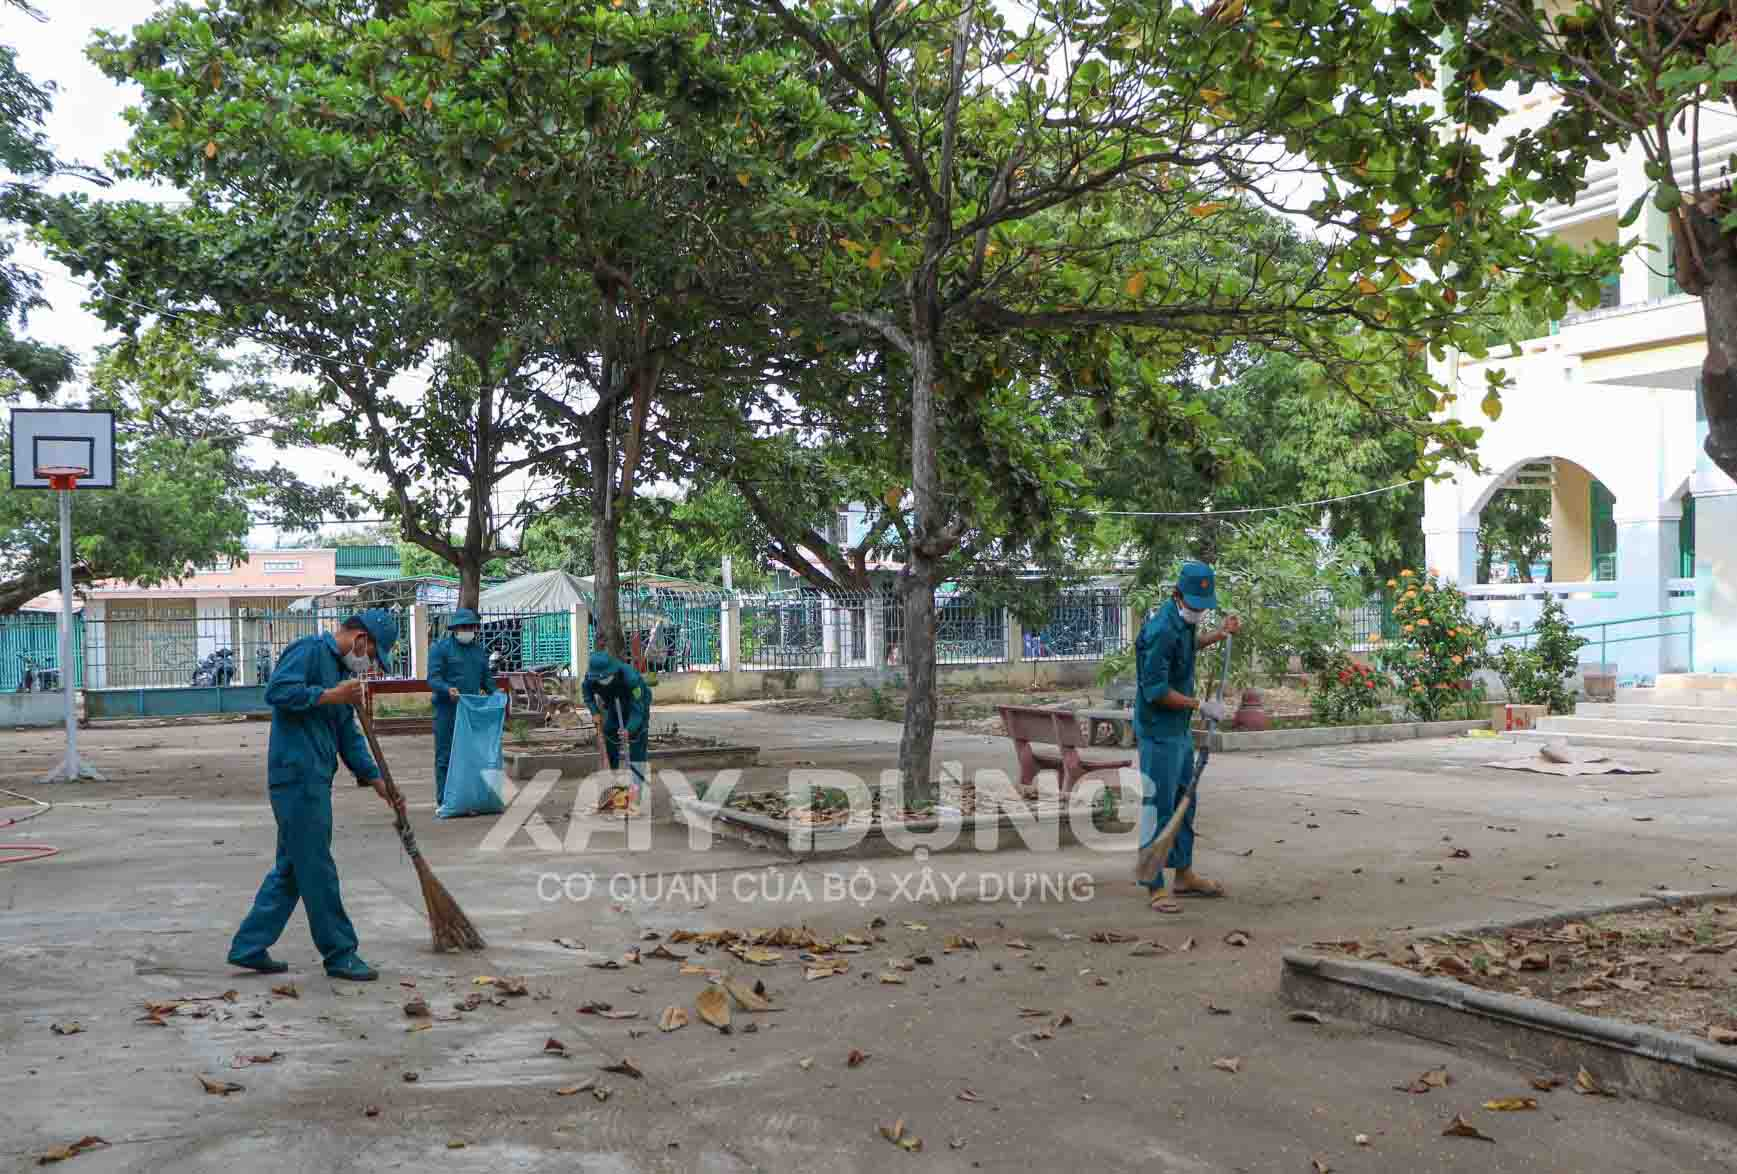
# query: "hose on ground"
{"points": [[20, 853]]}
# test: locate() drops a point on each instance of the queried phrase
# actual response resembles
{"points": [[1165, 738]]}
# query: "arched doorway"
{"points": [[1547, 520]]}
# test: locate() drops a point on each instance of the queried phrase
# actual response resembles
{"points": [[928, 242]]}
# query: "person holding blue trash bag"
{"points": [[312, 694], [458, 666], [616, 692]]}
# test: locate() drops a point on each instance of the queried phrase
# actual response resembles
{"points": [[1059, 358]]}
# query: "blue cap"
{"points": [[464, 617], [602, 665], [1196, 582], [382, 628]]}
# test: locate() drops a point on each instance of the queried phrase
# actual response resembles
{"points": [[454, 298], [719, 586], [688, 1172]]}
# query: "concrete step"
{"points": [[1725, 715], [1714, 698], [1620, 743], [1721, 682], [1575, 727]]}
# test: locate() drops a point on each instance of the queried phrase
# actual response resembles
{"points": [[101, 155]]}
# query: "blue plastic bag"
{"points": [[474, 775]]}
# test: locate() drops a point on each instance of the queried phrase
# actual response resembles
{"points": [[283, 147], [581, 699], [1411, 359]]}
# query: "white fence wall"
{"points": [[1636, 648]]}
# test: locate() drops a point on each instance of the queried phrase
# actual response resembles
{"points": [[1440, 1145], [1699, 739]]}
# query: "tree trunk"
{"points": [[470, 572], [917, 741], [605, 559], [1719, 370]]}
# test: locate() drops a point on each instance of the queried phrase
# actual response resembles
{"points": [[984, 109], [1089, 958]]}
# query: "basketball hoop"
{"points": [[62, 476]]}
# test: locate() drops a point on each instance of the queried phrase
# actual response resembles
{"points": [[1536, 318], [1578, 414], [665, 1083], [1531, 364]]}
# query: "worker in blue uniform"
{"points": [[619, 695], [1163, 711], [311, 694], [458, 665]]}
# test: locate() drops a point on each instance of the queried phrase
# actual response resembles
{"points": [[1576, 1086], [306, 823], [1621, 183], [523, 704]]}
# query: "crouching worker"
{"points": [[458, 664], [312, 725], [619, 695]]}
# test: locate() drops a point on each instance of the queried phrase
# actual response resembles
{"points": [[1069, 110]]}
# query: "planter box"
{"points": [[524, 764], [1335, 735], [1505, 717], [998, 831], [1686, 1073]]}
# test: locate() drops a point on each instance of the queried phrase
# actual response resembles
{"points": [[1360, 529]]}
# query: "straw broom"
{"points": [[1149, 865], [450, 928]]}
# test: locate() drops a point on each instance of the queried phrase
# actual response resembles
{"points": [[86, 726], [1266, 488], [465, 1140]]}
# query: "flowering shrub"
{"points": [[1346, 691], [1438, 648]]}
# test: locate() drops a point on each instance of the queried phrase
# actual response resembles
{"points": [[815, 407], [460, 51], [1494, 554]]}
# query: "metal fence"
{"points": [[162, 651], [176, 645]]}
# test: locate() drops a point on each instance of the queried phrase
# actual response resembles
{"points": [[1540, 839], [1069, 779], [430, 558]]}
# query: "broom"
{"points": [[1149, 865], [451, 929]]}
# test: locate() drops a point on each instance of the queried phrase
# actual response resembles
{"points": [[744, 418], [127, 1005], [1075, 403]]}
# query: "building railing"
{"points": [[1603, 639]]}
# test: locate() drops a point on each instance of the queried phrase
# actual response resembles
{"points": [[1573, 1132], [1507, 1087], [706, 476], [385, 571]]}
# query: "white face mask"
{"points": [[465, 637], [1189, 615], [358, 662]]}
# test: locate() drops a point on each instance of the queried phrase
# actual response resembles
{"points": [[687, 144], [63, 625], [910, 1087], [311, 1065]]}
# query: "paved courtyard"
{"points": [[156, 867]]}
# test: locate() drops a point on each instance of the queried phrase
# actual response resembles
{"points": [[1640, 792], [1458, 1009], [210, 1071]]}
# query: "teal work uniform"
{"points": [[627, 699], [307, 739], [452, 665], [1164, 656]]}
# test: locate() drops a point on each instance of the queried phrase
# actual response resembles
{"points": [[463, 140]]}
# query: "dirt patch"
{"points": [[1673, 968]]}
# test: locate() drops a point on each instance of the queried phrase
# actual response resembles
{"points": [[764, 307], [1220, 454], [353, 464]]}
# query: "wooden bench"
{"points": [[1030, 727]]}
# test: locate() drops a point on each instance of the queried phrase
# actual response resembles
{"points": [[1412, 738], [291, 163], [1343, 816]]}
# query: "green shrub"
{"points": [[1346, 691], [1538, 675], [1438, 648]]}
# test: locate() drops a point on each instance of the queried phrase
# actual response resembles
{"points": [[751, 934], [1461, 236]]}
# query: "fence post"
{"points": [[578, 638], [1015, 637], [418, 641], [730, 634]]}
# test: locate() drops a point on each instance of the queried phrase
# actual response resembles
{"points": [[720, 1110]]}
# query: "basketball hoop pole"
{"points": [[70, 770]]}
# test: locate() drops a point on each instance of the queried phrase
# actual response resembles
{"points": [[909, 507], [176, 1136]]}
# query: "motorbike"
{"points": [[217, 669], [35, 677]]}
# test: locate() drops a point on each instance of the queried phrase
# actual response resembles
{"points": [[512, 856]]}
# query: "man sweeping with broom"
{"points": [[312, 694], [1164, 708]]}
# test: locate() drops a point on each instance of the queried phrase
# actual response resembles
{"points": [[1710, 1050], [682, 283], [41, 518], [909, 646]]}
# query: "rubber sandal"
{"points": [[1214, 889], [1165, 905]]}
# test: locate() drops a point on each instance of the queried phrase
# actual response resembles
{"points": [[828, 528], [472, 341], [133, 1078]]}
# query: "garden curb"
{"points": [[1684, 1072], [1309, 736], [525, 764]]}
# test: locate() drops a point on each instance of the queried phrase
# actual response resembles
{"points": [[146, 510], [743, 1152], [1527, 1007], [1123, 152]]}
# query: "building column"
{"points": [[578, 639], [1715, 562], [419, 641], [1453, 554], [730, 635], [1646, 555], [1015, 638], [1570, 524]]}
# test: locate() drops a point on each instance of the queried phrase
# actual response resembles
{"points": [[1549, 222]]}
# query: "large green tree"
{"points": [[1623, 73], [993, 166]]}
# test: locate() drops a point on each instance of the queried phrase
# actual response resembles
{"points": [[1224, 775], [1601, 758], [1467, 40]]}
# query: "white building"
{"points": [[1604, 411]]}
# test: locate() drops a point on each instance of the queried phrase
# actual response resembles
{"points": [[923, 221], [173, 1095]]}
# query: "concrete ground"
{"points": [[157, 866]]}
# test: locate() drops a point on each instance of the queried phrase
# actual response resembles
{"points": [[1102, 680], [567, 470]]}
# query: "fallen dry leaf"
{"points": [[896, 1134], [570, 943], [61, 1153], [966, 1094], [672, 1019], [805, 1063], [917, 926], [855, 1059], [287, 990], [1536, 960], [248, 1061], [904, 964], [72, 1027], [1228, 1063], [1306, 1017], [420, 1027], [221, 1088], [1148, 950], [600, 1093], [760, 957], [1237, 937], [958, 942], [1213, 1008], [1018, 944], [1187, 944], [371, 1111], [606, 964], [892, 979], [1722, 1035], [1110, 937], [625, 1067], [1511, 1104], [1434, 1078], [713, 1007], [667, 954], [417, 1008], [594, 1007], [511, 986], [457, 1143], [1460, 1127], [1462, 853], [826, 969], [1586, 1084], [746, 998], [568, 1090], [1361, 1139], [554, 1047], [614, 1014], [632, 956], [1546, 1083], [1319, 1166]]}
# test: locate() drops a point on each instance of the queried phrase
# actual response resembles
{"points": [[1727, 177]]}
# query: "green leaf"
{"points": [[1634, 210], [1667, 198]]}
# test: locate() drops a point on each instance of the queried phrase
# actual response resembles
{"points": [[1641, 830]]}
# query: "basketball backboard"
{"points": [[76, 438]]}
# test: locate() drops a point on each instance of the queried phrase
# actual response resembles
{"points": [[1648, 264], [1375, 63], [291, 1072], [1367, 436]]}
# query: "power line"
{"points": [[1258, 509]]}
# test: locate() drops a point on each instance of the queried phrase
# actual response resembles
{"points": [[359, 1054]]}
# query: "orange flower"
{"points": [[1459, 659], [1393, 582], [1453, 631], [1423, 622], [1406, 574], [1407, 628]]}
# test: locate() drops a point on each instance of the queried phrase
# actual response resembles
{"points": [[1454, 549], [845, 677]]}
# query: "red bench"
{"points": [[1029, 727]]}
